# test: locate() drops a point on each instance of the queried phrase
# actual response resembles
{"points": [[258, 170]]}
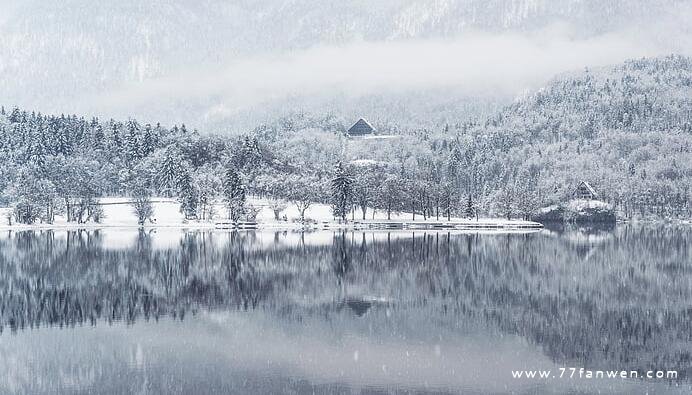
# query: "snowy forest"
{"points": [[626, 129]]}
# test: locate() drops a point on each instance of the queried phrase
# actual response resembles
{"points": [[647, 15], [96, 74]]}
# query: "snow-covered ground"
{"points": [[377, 137], [581, 205], [119, 213]]}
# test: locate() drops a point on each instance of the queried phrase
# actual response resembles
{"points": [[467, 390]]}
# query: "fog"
{"points": [[472, 64], [219, 63]]}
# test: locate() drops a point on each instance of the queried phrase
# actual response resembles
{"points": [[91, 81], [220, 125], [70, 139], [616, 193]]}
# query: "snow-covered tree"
{"points": [[390, 195], [171, 171], [208, 186], [233, 193], [303, 192], [141, 204], [342, 191], [277, 206], [188, 195]]}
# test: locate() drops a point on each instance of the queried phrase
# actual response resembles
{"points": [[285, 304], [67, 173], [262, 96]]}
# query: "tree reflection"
{"points": [[625, 302]]}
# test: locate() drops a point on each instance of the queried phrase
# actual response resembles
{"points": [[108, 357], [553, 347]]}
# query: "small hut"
{"points": [[361, 128], [585, 191]]}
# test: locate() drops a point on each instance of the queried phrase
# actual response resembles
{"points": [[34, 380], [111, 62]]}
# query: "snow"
{"points": [[364, 162], [119, 213], [579, 205], [548, 209], [4, 212], [378, 137]]}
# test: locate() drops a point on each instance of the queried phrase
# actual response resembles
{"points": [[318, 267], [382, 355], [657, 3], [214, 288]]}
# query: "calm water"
{"points": [[117, 311]]}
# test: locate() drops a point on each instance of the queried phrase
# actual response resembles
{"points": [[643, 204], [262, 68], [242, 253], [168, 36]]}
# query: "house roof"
{"points": [[361, 127], [588, 186]]}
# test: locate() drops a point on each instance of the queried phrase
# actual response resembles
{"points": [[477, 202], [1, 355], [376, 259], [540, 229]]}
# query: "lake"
{"points": [[172, 311]]}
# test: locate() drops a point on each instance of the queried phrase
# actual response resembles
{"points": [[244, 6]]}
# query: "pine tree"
{"points": [[342, 191], [469, 209], [149, 142], [36, 152], [170, 172], [99, 137], [116, 144], [187, 194], [63, 141], [233, 194], [15, 116], [132, 144]]}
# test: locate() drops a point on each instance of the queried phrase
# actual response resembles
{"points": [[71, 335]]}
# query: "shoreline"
{"points": [[471, 225], [118, 214]]}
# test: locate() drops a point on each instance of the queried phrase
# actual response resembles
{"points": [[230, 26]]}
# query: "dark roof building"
{"points": [[361, 128], [585, 191]]}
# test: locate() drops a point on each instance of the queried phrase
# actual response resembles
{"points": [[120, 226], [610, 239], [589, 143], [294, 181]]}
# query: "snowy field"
{"points": [[119, 213]]}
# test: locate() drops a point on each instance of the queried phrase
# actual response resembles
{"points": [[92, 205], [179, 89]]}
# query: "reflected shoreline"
{"points": [[546, 288]]}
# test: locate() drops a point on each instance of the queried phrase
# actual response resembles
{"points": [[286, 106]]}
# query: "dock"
{"points": [[438, 225], [236, 225]]}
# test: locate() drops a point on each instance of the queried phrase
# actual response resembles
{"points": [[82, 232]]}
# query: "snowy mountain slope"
{"points": [[642, 95], [626, 129], [59, 56]]}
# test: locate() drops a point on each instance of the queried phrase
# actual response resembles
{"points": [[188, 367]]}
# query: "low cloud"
{"points": [[472, 64]]}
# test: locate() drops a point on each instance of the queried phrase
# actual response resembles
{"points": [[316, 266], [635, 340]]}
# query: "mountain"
{"points": [[627, 129], [67, 56], [638, 96]]}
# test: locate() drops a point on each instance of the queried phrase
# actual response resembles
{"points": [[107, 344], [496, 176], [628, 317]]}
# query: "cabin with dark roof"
{"points": [[585, 191], [361, 128]]}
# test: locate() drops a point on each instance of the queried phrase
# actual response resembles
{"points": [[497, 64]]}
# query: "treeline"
{"points": [[62, 165], [626, 130]]}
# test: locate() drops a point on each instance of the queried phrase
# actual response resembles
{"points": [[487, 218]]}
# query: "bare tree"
{"points": [[143, 208], [303, 192], [277, 206]]}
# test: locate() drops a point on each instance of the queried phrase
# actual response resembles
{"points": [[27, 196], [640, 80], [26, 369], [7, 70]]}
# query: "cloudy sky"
{"points": [[226, 61]]}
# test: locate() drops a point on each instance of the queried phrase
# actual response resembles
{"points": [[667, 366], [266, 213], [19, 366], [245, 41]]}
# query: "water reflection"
{"points": [[601, 299]]}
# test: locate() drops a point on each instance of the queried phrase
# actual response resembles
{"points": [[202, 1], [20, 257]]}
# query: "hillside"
{"points": [[625, 129], [61, 56]]}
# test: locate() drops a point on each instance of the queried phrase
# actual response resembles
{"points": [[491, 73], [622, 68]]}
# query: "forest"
{"points": [[626, 129]]}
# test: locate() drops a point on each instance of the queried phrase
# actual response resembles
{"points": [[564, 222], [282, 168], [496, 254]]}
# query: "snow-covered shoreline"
{"points": [[118, 213]]}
